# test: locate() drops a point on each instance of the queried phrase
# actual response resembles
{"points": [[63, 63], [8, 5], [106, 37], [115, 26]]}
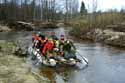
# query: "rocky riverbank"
{"points": [[107, 36], [13, 68], [26, 26]]}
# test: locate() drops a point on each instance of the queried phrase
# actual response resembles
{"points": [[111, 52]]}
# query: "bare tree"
{"points": [[71, 7], [31, 10], [66, 8], [94, 9]]}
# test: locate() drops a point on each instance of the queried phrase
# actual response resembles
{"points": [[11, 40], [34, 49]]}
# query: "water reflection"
{"points": [[57, 75], [49, 73]]}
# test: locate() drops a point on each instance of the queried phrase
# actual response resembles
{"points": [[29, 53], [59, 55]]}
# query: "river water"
{"points": [[106, 63]]}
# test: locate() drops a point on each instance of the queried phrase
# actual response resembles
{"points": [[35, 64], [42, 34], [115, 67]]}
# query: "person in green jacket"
{"points": [[69, 49]]}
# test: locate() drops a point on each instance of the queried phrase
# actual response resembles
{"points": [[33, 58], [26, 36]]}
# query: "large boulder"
{"points": [[4, 28], [21, 26], [20, 52], [110, 37]]}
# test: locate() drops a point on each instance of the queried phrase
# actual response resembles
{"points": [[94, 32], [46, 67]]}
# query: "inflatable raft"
{"points": [[80, 61]]}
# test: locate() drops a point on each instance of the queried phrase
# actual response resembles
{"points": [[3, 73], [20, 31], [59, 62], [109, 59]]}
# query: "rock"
{"points": [[60, 25], [4, 29], [20, 52], [111, 37], [21, 26], [116, 41], [106, 36], [26, 26]]}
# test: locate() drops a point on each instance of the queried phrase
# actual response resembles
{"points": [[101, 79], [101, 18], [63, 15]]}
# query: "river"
{"points": [[106, 63]]}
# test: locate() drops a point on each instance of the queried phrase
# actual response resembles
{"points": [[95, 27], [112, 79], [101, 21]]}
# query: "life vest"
{"points": [[49, 46], [57, 43]]}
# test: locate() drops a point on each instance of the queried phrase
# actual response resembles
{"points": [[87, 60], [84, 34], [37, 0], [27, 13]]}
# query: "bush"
{"points": [[88, 22]]}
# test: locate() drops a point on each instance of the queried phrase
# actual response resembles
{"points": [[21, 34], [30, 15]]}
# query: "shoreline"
{"points": [[107, 36], [25, 26]]}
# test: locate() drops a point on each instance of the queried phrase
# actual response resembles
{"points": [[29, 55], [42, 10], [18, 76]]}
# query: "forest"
{"points": [[38, 10]]}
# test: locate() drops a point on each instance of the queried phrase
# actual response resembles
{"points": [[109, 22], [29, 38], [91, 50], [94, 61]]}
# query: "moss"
{"points": [[7, 47]]}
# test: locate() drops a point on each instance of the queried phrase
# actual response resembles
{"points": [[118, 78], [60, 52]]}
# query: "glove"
{"points": [[56, 49]]}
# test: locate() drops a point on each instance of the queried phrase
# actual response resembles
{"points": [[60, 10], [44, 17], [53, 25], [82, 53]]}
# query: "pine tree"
{"points": [[83, 9]]}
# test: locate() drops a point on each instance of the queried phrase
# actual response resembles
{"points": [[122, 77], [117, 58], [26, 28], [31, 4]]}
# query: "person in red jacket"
{"points": [[35, 40], [48, 48]]}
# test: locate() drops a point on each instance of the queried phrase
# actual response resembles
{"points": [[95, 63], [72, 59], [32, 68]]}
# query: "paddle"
{"points": [[82, 57]]}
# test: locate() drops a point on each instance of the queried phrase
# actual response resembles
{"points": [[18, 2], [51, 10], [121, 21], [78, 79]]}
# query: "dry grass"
{"points": [[83, 24], [14, 69]]}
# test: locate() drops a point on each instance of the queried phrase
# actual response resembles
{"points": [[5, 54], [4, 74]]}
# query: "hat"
{"points": [[62, 37]]}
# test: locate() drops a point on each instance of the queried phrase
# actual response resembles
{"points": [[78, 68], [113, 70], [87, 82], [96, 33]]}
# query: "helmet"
{"points": [[72, 61], [68, 41], [39, 33], [52, 62]]}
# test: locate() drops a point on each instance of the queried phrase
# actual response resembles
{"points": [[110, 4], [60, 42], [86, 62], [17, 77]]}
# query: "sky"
{"points": [[105, 5]]}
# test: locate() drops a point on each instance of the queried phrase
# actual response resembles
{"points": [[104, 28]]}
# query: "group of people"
{"points": [[53, 47]]}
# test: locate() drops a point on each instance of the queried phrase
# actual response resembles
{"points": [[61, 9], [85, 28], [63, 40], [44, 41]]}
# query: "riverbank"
{"points": [[105, 36], [13, 68], [26, 26]]}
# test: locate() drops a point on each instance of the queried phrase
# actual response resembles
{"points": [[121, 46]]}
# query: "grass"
{"points": [[13, 69]]}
